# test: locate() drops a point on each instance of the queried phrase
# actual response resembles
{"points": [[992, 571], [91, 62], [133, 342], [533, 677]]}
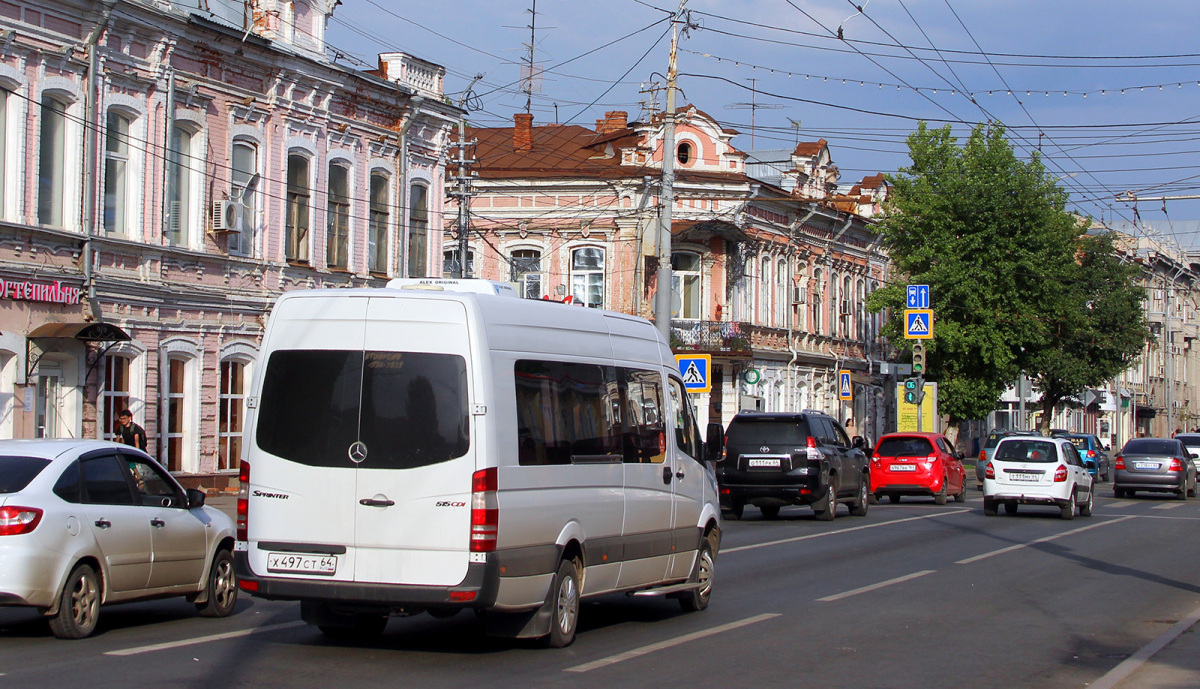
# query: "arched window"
{"points": [[117, 175], [418, 230], [297, 220], [179, 411], [817, 300], [846, 306], [232, 414], [685, 283], [860, 305], [379, 220], [781, 293], [3, 149], [746, 301], [450, 261], [762, 312], [587, 276], [184, 167], [244, 184], [527, 272], [337, 233], [117, 392], [52, 161]]}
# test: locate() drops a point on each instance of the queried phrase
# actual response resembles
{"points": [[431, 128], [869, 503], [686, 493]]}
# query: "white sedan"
{"points": [[86, 522], [1032, 470]]}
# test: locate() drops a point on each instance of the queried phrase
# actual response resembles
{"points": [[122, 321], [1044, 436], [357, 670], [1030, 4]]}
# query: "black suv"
{"points": [[790, 458]]}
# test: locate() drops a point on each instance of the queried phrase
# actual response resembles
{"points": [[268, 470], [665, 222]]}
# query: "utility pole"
{"points": [[463, 190], [662, 297]]}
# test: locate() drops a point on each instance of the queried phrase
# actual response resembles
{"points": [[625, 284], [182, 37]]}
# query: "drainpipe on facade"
{"points": [[402, 171], [90, 162], [791, 366]]}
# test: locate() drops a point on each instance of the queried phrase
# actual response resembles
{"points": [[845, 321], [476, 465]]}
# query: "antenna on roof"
{"points": [[754, 106], [531, 74]]}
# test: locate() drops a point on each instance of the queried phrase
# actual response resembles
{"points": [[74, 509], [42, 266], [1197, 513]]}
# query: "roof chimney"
{"points": [[614, 121], [523, 132]]}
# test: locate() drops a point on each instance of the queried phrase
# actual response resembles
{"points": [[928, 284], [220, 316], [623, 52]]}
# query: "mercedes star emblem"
{"points": [[358, 452]]}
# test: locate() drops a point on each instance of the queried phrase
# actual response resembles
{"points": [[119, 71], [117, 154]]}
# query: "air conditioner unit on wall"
{"points": [[845, 306], [798, 296], [228, 216]]}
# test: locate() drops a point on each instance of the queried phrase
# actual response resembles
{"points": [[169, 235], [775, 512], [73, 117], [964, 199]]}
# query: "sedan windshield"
{"points": [[1027, 451], [17, 472]]}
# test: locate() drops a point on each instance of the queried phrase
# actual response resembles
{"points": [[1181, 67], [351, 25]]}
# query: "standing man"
{"points": [[129, 432]]}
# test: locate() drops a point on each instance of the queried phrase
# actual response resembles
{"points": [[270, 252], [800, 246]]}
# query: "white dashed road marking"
{"points": [[1045, 539], [1121, 503], [822, 534], [669, 643], [201, 639], [1167, 506], [874, 587]]}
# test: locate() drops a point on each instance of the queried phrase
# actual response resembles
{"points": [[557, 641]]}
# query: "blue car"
{"points": [[1094, 454]]}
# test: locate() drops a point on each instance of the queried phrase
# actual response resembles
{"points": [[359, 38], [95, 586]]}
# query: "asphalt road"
{"points": [[913, 595]]}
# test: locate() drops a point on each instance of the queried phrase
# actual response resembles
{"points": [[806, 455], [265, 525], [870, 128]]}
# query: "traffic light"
{"points": [[914, 390], [918, 358]]}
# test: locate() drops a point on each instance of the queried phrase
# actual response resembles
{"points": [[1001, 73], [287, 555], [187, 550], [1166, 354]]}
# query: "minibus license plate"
{"points": [[301, 564], [764, 463]]}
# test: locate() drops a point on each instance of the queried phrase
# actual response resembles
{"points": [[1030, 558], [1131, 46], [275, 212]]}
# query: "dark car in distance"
{"points": [[791, 458], [1157, 465]]}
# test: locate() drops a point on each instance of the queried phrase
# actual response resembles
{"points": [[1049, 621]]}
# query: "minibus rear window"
{"points": [[409, 409]]}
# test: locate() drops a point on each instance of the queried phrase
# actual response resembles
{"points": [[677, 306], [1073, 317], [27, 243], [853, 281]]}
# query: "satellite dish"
{"points": [[676, 303]]}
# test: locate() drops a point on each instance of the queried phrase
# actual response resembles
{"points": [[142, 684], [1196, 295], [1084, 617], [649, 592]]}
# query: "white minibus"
{"points": [[440, 445]]}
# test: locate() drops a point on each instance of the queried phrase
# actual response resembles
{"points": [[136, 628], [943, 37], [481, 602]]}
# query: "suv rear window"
{"points": [[904, 447], [1027, 451], [17, 472], [769, 431], [408, 408]]}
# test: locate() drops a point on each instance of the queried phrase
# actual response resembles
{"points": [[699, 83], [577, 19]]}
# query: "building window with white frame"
{"points": [[296, 246], [232, 415], [685, 283], [4, 92], [52, 161], [183, 169], [859, 308], [847, 307], [244, 183], [379, 218], [116, 393], [587, 276], [116, 172], [818, 300], [527, 272], [175, 395], [781, 293], [763, 315], [337, 235], [450, 263], [418, 230]]}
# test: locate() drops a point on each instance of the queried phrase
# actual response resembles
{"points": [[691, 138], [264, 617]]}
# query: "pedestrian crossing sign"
{"points": [[918, 324], [845, 388], [694, 368]]}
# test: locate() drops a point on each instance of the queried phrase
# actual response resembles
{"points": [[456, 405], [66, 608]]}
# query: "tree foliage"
{"points": [[990, 235]]}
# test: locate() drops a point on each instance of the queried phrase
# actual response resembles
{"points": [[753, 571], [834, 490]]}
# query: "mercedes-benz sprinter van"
{"points": [[441, 444]]}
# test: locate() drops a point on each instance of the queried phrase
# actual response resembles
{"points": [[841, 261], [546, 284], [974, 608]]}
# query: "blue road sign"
{"points": [[694, 368], [918, 324], [918, 297], [845, 387]]}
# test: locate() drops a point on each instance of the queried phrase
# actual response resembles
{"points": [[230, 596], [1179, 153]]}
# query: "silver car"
{"points": [[1160, 465], [86, 522]]}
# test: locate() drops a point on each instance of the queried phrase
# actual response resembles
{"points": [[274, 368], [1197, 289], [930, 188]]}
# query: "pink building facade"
{"points": [[167, 173]]}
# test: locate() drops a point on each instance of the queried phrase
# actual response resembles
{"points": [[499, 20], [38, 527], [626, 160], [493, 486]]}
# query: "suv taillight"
{"points": [[1120, 463], [1060, 474], [1176, 464], [988, 471], [243, 501], [485, 517], [18, 520], [810, 442]]}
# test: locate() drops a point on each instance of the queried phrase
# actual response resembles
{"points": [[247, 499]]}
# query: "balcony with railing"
{"points": [[736, 339]]}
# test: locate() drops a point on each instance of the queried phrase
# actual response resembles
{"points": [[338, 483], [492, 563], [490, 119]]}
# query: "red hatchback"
{"points": [[917, 464]]}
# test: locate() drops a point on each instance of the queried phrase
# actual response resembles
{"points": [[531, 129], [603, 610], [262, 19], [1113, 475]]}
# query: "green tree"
{"points": [[989, 234], [1097, 326]]}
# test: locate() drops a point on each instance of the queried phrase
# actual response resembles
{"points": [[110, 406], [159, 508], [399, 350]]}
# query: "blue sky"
{"points": [[1112, 88]]}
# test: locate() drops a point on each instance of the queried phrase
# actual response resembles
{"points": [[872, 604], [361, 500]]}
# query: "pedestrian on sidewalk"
{"points": [[129, 432]]}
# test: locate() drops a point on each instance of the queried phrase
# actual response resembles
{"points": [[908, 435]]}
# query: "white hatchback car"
{"points": [[1032, 470], [88, 522]]}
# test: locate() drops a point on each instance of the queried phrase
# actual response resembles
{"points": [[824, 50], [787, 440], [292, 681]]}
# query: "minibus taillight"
{"points": [[243, 501], [485, 517]]}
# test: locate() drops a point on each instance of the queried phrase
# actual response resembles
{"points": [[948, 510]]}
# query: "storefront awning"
{"points": [[84, 332]]}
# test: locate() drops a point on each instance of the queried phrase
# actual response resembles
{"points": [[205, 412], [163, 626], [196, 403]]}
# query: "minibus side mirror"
{"points": [[714, 443]]}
